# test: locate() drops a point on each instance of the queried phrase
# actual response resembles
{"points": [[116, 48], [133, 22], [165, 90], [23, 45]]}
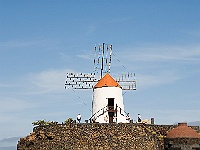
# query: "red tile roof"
{"points": [[182, 131], [108, 81]]}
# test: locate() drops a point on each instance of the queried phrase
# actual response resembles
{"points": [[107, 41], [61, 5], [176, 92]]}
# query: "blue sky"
{"points": [[41, 41]]}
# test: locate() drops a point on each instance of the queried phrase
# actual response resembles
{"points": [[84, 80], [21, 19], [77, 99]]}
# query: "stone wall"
{"points": [[182, 143], [96, 136]]}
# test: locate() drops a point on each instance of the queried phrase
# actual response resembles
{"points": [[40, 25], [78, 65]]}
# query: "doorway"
{"points": [[111, 109]]}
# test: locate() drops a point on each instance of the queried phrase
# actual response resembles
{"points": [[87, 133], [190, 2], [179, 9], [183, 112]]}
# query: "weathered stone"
{"points": [[96, 136]]}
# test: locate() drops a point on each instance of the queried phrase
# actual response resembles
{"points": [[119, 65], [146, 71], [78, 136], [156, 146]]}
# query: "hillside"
{"points": [[195, 123]]}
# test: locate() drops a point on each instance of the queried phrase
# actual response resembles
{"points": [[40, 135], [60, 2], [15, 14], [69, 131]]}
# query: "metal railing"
{"points": [[105, 109]]}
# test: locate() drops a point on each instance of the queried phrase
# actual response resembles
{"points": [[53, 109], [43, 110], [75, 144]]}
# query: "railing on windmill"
{"points": [[128, 87], [105, 109]]}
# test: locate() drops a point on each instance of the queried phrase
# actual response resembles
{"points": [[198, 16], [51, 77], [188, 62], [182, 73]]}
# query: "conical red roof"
{"points": [[108, 81], [182, 131]]}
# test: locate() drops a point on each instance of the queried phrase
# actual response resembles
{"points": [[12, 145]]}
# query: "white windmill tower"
{"points": [[107, 104], [107, 97]]}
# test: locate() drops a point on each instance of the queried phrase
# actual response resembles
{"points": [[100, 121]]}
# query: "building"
{"points": [[182, 138], [107, 105]]}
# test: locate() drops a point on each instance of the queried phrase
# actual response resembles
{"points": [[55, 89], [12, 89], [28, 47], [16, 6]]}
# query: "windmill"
{"points": [[107, 104]]}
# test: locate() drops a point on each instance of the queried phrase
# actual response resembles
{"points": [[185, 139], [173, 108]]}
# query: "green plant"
{"points": [[69, 120], [41, 123]]}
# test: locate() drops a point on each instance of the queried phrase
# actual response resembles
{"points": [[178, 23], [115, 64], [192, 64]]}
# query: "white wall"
{"points": [[100, 100]]}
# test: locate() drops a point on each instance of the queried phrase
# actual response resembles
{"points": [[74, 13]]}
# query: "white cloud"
{"points": [[29, 44], [10, 104], [148, 81], [64, 56], [158, 65], [48, 81], [17, 43], [87, 57], [2, 85], [155, 53]]}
